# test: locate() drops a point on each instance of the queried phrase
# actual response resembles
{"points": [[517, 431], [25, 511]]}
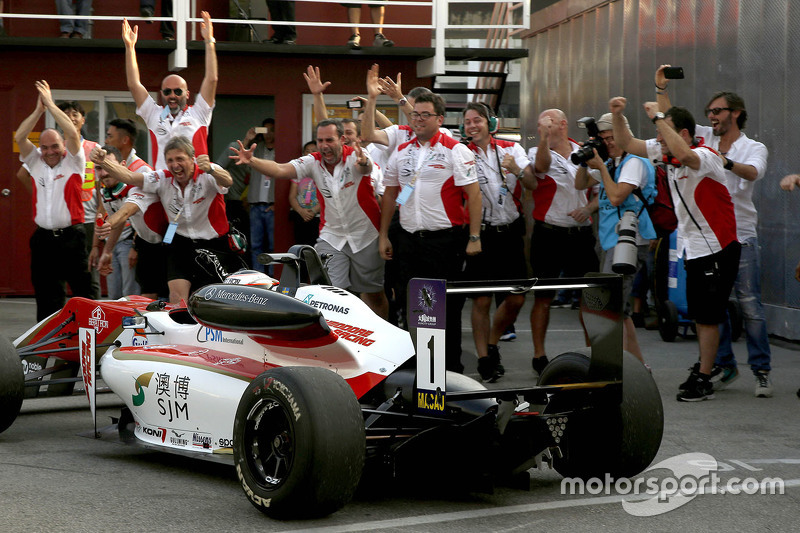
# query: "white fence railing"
{"points": [[185, 17]]}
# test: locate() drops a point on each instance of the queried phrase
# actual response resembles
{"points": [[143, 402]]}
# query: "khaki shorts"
{"points": [[359, 272]]}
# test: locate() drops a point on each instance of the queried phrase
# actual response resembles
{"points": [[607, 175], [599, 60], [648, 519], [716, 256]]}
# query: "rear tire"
{"points": [[12, 384], [299, 442], [668, 321], [621, 440]]}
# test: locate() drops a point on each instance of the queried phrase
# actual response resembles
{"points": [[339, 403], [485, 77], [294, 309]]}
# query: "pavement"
{"points": [[51, 479]]}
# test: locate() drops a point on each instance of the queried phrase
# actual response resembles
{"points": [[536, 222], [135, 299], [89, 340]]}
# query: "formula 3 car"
{"points": [[302, 388]]}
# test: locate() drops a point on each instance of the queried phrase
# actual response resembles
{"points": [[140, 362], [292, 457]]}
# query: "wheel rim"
{"points": [[269, 444]]}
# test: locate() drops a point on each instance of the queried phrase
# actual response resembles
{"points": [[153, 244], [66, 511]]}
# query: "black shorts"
{"points": [[709, 281], [556, 250], [502, 254], [183, 263], [151, 267]]}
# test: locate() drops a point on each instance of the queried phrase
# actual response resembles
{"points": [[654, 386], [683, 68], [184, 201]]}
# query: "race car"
{"points": [[303, 389]]}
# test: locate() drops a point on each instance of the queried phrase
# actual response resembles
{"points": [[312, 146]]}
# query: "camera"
{"points": [[354, 104], [625, 252], [673, 73], [260, 130], [586, 152]]}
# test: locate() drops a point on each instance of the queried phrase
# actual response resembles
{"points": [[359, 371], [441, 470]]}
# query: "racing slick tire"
{"points": [[620, 440], [12, 384], [299, 442]]}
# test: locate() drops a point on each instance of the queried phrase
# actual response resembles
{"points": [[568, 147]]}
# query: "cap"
{"points": [[606, 123]]}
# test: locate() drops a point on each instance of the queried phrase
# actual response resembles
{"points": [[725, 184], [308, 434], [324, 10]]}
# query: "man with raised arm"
{"points": [[745, 162], [57, 169], [706, 224], [175, 117], [191, 192], [349, 210]]}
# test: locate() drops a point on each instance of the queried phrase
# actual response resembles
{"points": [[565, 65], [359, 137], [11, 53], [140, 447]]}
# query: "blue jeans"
{"points": [[748, 292], [82, 7], [122, 281], [262, 226]]}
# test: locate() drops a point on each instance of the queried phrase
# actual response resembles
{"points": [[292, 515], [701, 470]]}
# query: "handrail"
{"points": [[438, 24]]}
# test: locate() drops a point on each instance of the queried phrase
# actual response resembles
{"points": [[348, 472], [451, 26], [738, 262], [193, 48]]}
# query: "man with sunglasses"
{"points": [[175, 117], [745, 162], [431, 176]]}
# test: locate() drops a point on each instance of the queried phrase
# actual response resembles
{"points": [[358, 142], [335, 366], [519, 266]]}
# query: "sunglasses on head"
{"points": [[168, 91]]}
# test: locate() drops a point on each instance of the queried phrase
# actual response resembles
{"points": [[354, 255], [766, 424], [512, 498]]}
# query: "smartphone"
{"points": [[673, 73], [354, 104], [260, 130]]}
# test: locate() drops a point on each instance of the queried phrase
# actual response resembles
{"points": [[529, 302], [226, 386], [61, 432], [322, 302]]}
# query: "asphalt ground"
{"points": [[52, 479]]}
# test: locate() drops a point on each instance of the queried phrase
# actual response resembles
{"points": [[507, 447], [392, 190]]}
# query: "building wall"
{"points": [[582, 52]]}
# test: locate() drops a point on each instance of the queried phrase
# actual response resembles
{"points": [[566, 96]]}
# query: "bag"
{"points": [[237, 242], [661, 210]]}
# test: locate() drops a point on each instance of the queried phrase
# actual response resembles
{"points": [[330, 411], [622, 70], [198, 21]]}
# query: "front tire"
{"points": [[621, 440], [12, 384], [299, 442]]}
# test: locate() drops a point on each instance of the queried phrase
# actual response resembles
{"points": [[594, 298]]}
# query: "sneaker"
{"points": [[558, 303], [381, 40], [638, 320], [701, 389], [694, 375], [487, 368], [722, 376], [355, 42], [539, 363], [147, 11], [763, 385], [494, 354], [508, 335]]}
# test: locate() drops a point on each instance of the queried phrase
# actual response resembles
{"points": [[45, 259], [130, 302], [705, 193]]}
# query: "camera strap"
{"points": [[677, 190]]}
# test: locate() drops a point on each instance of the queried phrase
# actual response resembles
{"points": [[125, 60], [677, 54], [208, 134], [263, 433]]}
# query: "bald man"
{"points": [[57, 169], [175, 117], [562, 239]]}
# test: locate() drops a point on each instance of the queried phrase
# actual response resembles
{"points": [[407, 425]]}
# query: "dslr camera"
{"points": [[586, 152]]}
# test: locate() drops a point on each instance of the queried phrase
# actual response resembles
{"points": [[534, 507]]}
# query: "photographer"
{"points": [[619, 176]]}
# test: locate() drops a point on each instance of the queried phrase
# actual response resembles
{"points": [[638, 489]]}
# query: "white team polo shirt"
{"points": [[150, 222], [491, 178], [746, 151], [191, 122], [555, 196], [442, 167], [199, 209], [707, 198], [57, 191], [349, 211]]}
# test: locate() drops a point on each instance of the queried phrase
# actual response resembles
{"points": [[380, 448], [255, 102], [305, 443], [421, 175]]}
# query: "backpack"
{"points": [[661, 210]]}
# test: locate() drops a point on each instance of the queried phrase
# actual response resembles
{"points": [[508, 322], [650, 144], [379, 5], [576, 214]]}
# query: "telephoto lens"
{"points": [[625, 252]]}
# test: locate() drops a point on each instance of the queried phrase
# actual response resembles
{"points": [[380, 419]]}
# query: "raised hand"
{"points": [[97, 155], [204, 163], [390, 88], [45, 96], [373, 81], [129, 35], [242, 155], [206, 28], [617, 104], [314, 80]]}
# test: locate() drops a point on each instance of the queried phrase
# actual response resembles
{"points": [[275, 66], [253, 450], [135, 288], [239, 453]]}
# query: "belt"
{"points": [[564, 229], [429, 234], [58, 232], [499, 228]]}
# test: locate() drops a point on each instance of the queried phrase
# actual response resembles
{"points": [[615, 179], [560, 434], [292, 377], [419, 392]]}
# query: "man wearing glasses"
{"points": [[745, 162], [430, 177], [175, 117]]}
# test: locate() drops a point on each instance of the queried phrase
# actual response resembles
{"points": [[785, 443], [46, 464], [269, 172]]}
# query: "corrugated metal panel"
{"points": [[747, 46]]}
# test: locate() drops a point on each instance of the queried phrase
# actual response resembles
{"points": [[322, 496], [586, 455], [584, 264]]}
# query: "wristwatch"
{"points": [[521, 174], [402, 102], [214, 168], [728, 164], [474, 238], [658, 116]]}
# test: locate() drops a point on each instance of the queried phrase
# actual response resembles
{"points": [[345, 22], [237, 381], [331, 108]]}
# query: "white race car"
{"points": [[302, 387]]}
